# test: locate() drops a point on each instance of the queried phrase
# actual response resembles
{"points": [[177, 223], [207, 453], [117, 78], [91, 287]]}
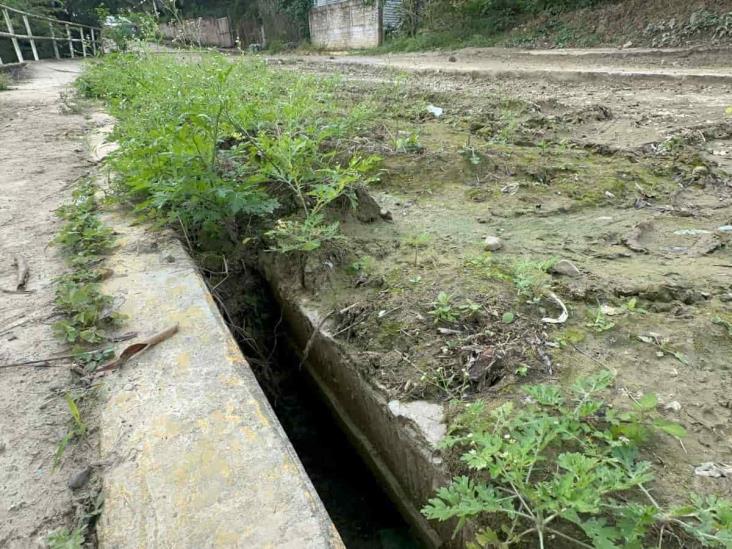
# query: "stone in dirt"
{"points": [[566, 268], [367, 209], [492, 243], [80, 478]]}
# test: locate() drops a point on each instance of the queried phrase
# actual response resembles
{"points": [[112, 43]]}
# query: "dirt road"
{"points": [[627, 179], [639, 110], [699, 65], [42, 152]]}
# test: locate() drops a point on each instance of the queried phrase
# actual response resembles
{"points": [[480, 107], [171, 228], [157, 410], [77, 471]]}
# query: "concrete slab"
{"points": [[194, 456]]}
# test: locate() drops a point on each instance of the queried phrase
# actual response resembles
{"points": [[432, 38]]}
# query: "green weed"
{"points": [[443, 309], [566, 465], [64, 538], [83, 239], [77, 430], [727, 325], [4, 81], [600, 322], [418, 242], [232, 150]]}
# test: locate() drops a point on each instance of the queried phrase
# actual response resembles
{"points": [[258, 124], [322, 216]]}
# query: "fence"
{"points": [[63, 36], [204, 31]]}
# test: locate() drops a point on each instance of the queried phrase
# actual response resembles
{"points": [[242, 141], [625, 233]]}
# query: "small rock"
{"points": [[673, 406], [482, 220], [492, 243], [725, 229], [2, 447], [628, 44], [699, 171], [170, 258], [79, 479], [452, 59], [725, 298], [566, 268], [385, 215]]}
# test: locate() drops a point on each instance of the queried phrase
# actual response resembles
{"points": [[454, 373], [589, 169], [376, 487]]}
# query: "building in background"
{"points": [[352, 24]]}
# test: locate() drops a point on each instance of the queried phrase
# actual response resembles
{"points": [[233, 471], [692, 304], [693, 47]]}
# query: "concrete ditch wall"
{"points": [[350, 24], [397, 440], [192, 454]]}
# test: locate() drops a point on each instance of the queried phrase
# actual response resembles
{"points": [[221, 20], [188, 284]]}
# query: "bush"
{"points": [[229, 149]]}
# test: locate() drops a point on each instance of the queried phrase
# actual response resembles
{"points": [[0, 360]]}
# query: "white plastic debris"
{"points": [[436, 111], [713, 470]]}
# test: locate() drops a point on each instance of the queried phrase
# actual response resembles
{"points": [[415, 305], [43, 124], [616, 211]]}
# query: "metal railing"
{"points": [[64, 33]]}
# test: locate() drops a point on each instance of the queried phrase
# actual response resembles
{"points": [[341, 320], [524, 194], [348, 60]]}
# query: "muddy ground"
{"points": [[614, 197], [42, 153]]}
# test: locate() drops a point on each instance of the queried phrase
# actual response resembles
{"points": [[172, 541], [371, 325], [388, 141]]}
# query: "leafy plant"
{"points": [[232, 152], [83, 239], [531, 277], [719, 321], [600, 322], [562, 466], [77, 430], [408, 143], [4, 81], [443, 309], [64, 538], [418, 242]]}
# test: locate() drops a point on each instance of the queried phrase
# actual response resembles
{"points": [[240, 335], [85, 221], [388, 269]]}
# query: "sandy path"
{"points": [[42, 153]]}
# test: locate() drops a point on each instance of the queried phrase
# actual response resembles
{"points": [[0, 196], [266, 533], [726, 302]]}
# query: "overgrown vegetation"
{"points": [[568, 468], [238, 155], [84, 240], [4, 81]]}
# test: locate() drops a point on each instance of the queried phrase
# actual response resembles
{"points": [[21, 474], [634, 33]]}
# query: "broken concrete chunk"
{"points": [[566, 268], [492, 243]]}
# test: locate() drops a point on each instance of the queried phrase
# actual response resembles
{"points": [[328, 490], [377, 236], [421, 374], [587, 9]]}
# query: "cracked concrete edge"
{"points": [[193, 454]]}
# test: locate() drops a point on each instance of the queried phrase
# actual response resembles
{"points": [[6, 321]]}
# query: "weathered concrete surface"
{"points": [[194, 455], [345, 25], [396, 440]]}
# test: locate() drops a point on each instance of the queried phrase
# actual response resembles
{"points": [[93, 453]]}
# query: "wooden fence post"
{"points": [[71, 43], [53, 41], [83, 41], [93, 42], [30, 34], [14, 40]]}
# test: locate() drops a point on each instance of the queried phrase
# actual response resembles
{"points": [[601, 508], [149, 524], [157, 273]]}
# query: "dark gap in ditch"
{"points": [[363, 514]]}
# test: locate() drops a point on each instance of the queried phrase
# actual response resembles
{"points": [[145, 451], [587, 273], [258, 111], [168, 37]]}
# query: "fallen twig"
{"points": [[3, 290], [316, 331], [136, 349]]}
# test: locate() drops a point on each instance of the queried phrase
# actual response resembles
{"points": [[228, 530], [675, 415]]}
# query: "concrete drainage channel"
{"points": [[193, 454], [354, 495]]}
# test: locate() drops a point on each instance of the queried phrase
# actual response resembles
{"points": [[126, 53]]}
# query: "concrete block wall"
{"points": [[350, 24]]}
